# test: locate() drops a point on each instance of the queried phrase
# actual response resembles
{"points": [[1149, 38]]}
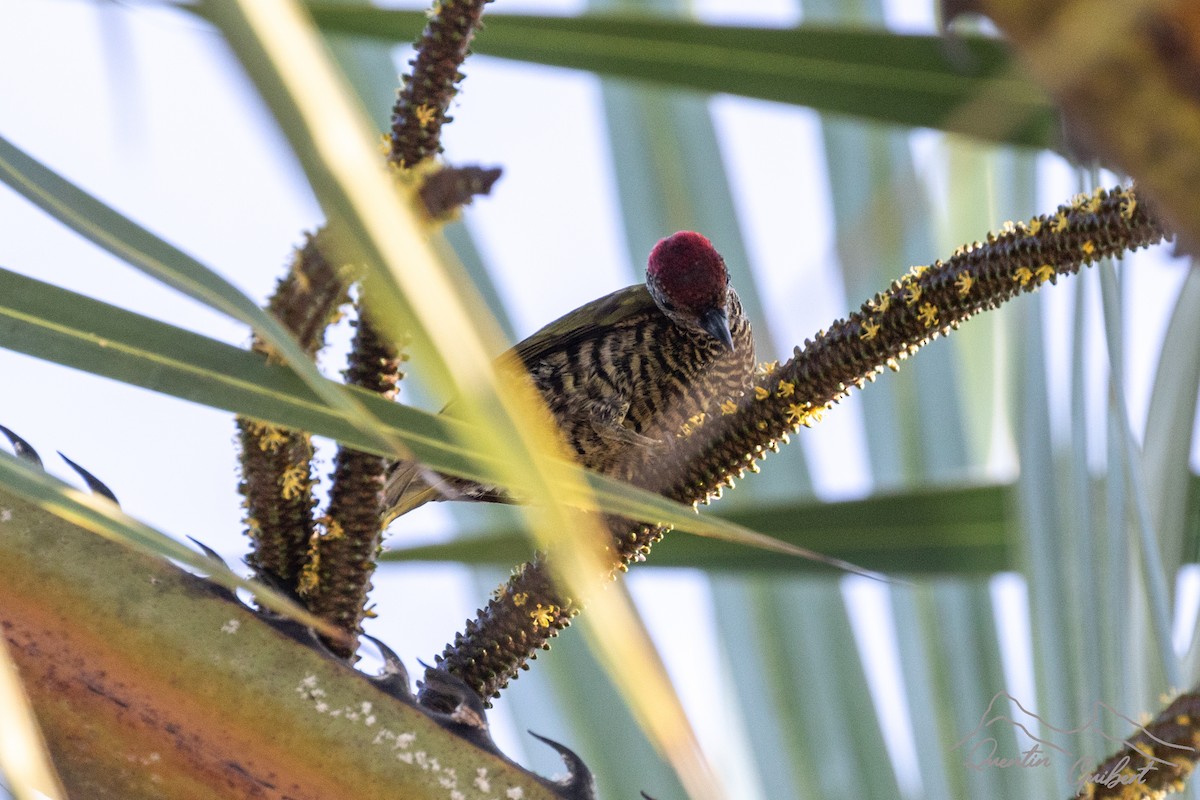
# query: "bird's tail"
{"points": [[405, 490]]}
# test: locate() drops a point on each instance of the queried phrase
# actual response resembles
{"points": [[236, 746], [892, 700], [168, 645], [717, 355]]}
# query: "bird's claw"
{"points": [[623, 435]]}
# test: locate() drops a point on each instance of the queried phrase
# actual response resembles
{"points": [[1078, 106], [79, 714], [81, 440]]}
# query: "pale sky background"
{"points": [[143, 107]]}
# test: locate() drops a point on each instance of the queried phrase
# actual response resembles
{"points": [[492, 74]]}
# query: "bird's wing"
{"points": [[407, 485], [585, 322]]}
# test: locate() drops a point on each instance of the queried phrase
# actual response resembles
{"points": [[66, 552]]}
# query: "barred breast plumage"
{"points": [[624, 374]]}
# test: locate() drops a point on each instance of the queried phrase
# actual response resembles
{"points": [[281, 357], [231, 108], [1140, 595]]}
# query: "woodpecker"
{"points": [[625, 375]]}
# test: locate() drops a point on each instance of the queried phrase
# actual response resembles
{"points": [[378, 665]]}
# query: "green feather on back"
{"points": [[624, 306]]}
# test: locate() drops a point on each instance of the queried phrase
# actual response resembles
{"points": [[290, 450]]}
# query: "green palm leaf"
{"points": [[905, 80]]}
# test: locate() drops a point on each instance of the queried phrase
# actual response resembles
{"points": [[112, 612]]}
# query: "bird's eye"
{"points": [[667, 305]]}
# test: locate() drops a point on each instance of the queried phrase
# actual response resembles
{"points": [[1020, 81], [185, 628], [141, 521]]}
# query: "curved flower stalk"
{"points": [[926, 303], [723, 443]]}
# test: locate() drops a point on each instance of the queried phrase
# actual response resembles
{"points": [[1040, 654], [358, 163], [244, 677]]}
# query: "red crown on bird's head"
{"points": [[685, 270]]}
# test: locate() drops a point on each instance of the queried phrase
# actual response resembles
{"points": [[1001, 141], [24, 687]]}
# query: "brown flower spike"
{"points": [[331, 564], [341, 559], [732, 437], [1156, 761], [275, 462], [420, 110]]}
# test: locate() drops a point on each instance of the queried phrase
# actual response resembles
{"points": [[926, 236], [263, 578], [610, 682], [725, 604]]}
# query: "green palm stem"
{"points": [[723, 443]]}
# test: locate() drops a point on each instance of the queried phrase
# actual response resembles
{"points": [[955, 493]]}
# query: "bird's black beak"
{"points": [[716, 324]]}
